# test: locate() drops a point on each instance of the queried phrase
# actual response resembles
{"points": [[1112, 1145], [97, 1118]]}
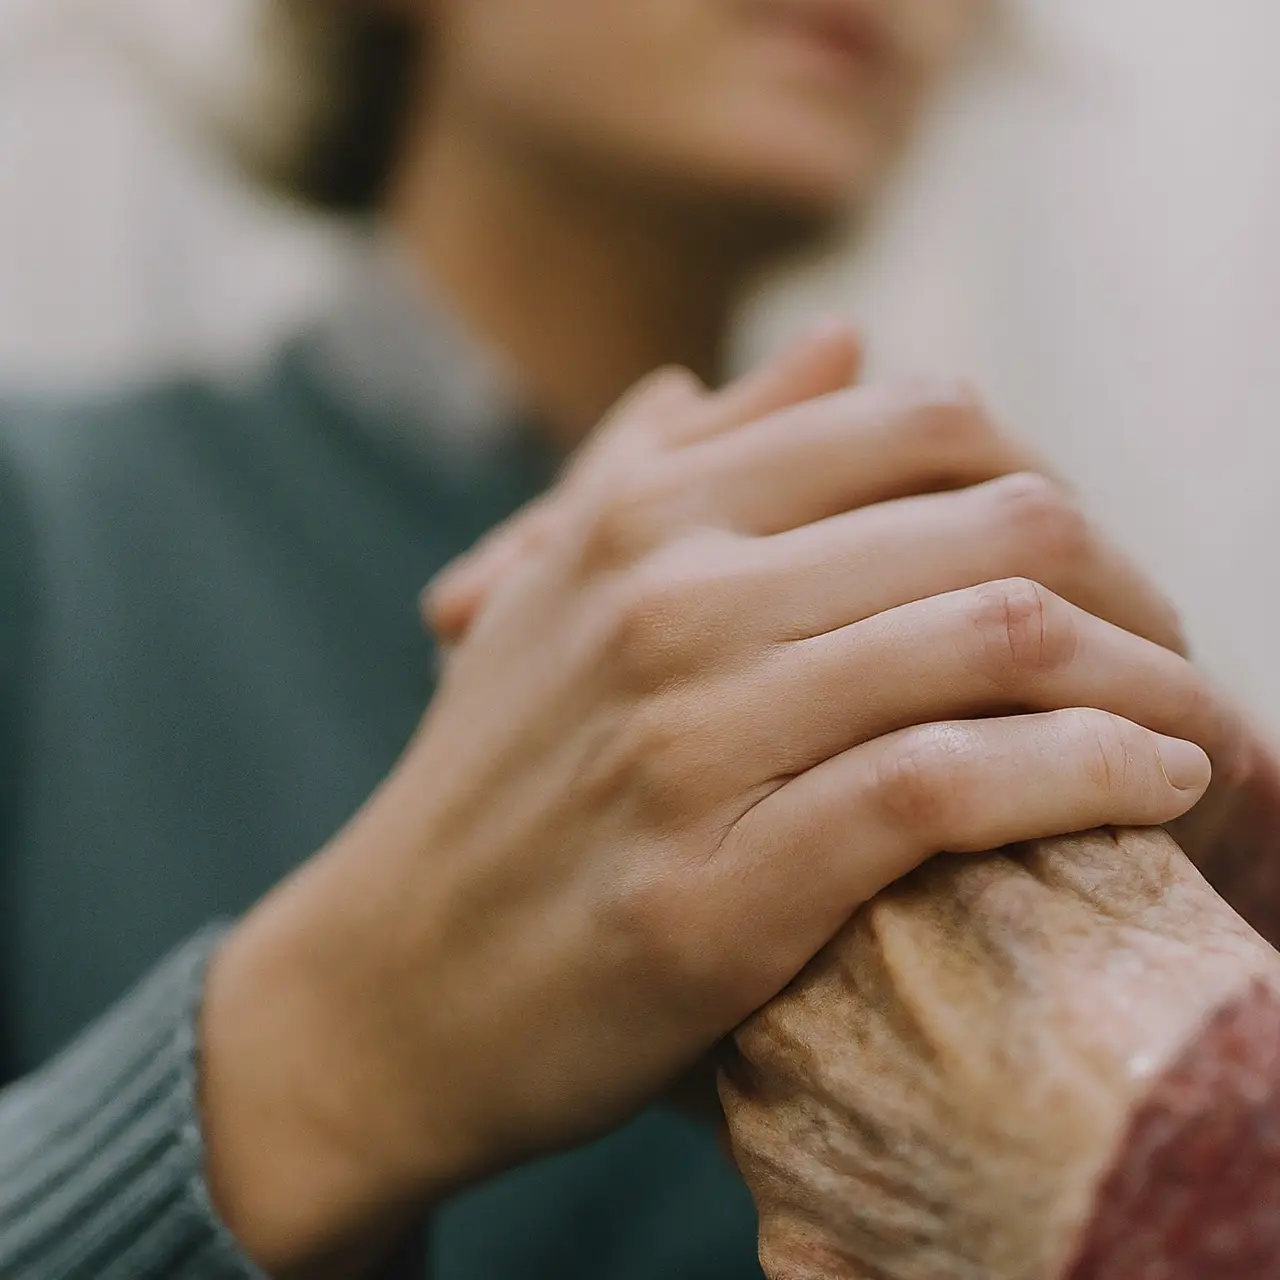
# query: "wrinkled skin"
{"points": [[942, 1091]]}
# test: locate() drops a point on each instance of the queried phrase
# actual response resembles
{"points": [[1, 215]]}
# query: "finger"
{"points": [[451, 600], [670, 389], [847, 450], [640, 423], [845, 569], [1001, 647], [669, 407], [826, 359], [835, 836]]}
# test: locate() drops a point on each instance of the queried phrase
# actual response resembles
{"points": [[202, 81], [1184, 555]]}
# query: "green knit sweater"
{"points": [[209, 655]]}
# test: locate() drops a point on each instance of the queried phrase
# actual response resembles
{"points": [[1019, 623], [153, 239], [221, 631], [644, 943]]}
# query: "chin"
{"points": [[777, 173], [825, 191], [810, 178]]}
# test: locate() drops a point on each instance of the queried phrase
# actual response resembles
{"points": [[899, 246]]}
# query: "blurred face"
{"points": [[794, 103]]}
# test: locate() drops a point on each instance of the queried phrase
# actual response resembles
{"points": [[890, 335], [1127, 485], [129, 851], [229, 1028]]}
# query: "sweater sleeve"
{"points": [[101, 1158]]}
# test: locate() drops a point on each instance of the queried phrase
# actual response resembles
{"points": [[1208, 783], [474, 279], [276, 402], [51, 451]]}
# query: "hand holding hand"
{"points": [[721, 704]]}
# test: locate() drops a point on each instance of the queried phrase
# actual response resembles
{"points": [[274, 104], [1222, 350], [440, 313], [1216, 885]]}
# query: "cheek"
{"points": [[933, 31], [631, 81], [583, 58]]}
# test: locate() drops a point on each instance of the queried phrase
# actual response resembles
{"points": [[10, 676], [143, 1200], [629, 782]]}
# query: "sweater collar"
{"points": [[391, 352]]}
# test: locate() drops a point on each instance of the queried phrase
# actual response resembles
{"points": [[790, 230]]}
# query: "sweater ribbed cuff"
{"points": [[101, 1154]]}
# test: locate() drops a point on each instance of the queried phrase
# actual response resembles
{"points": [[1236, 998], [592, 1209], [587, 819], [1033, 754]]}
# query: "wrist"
{"points": [[325, 1134]]}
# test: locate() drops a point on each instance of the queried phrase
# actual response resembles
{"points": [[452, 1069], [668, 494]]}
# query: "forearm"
{"points": [[291, 1152], [326, 1106]]}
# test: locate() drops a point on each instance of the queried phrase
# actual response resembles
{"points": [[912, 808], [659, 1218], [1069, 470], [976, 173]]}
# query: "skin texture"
{"points": [[567, 830], [1000, 1058]]}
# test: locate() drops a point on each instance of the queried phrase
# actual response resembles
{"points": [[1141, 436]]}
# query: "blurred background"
{"points": [[1089, 232]]}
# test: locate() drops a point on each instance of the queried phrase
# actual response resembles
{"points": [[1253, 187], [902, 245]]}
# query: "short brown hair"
{"points": [[337, 90]]}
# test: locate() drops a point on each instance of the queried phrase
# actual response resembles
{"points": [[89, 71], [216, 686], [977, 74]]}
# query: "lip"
{"points": [[847, 31]]}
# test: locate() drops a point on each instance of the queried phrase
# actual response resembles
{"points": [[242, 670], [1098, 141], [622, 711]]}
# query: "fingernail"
{"points": [[1184, 764]]}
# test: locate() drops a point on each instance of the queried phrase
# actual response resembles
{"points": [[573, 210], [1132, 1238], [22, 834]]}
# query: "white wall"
{"points": [[1091, 233], [125, 245]]}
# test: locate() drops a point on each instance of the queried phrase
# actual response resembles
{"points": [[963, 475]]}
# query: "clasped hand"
{"points": [[758, 654]]}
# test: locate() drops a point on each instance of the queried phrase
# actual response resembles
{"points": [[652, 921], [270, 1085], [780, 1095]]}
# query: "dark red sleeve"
{"points": [[1195, 1191]]}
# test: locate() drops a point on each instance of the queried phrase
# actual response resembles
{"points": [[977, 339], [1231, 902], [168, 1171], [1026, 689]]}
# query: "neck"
{"points": [[583, 287]]}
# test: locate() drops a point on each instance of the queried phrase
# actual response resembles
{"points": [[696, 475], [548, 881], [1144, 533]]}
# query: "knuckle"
{"points": [[672, 384], [668, 613], [644, 637], [947, 417], [642, 507], [621, 526], [1022, 635], [646, 406], [1043, 525], [917, 784], [1108, 749], [657, 411]]}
